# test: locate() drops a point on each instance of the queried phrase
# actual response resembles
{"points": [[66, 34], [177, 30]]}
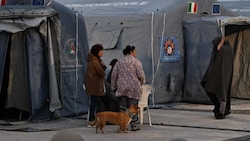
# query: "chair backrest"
{"points": [[146, 91]]}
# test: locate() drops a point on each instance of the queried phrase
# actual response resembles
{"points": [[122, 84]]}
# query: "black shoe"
{"points": [[220, 116], [227, 113], [216, 112], [135, 128]]}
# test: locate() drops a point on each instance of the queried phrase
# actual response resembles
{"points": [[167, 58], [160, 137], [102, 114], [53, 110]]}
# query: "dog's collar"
{"points": [[130, 114]]}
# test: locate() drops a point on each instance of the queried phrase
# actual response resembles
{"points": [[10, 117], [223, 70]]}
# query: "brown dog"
{"points": [[118, 118]]}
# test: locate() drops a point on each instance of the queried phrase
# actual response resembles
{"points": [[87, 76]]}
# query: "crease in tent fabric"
{"points": [[14, 26], [235, 81], [49, 3], [55, 102], [108, 35], [3, 63], [170, 83]]}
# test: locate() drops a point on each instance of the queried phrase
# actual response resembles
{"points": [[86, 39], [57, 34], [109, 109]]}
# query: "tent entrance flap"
{"points": [[237, 31], [14, 88], [12, 77], [241, 74], [26, 79]]}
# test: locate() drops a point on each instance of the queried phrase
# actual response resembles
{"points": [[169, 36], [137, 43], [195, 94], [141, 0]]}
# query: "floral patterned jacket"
{"points": [[127, 77]]}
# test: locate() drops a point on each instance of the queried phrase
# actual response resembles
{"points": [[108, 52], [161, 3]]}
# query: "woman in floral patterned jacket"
{"points": [[127, 79]]}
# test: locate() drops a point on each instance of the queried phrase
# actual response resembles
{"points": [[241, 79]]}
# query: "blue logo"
{"points": [[216, 9]]}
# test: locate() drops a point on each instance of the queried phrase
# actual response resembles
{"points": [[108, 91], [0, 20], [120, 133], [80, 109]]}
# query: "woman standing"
{"points": [[217, 80], [95, 77], [127, 79]]}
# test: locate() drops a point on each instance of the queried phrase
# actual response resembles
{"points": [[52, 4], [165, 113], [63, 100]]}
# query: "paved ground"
{"points": [[173, 122]]}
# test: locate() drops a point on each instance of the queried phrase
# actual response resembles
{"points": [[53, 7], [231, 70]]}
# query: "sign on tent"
{"points": [[169, 50]]}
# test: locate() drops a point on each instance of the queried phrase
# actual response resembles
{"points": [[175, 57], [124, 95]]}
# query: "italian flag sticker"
{"points": [[3, 2], [192, 7]]}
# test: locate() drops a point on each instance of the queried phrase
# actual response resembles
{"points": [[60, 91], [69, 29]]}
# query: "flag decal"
{"points": [[3, 2], [72, 49], [192, 7]]}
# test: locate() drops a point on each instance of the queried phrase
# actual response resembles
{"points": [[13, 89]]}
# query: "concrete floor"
{"points": [[173, 122]]}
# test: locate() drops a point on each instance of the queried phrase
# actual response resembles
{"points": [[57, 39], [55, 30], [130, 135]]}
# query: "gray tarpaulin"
{"points": [[43, 59], [199, 33], [237, 31], [145, 24], [198, 36], [17, 86], [115, 24]]}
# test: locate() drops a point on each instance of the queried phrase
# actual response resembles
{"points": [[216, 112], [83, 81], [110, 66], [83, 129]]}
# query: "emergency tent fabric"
{"points": [[237, 30], [43, 57], [199, 47], [198, 36], [147, 25]]}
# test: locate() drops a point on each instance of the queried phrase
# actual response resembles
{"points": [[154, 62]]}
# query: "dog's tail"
{"points": [[95, 120]]}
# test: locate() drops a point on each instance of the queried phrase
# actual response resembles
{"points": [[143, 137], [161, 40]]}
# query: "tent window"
{"points": [[107, 35]]}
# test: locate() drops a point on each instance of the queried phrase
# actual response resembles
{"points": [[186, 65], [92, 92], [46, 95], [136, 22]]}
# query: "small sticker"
{"points": [[192, 7], [216, 8]]}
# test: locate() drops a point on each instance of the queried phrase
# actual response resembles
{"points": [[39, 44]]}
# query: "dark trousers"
{"points": [[124, 103], [95, 101], [220, 106]]}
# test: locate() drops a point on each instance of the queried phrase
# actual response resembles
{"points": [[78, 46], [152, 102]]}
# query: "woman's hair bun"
{"points": [[128, 49]]}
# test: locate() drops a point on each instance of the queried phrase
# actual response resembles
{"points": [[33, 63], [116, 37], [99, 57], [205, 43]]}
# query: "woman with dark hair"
{"points": [[127, 79], [95, 76], [112, 64], [217, 80]]}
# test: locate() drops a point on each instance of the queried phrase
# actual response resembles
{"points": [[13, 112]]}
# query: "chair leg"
{"points": [[149, 117], [89, 98], [141, 115], [88, 115]]}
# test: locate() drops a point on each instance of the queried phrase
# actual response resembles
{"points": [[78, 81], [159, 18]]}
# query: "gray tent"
{"points": [[43, 57], [147, 25]]}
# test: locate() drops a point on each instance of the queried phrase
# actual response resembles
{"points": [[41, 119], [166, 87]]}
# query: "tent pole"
{"points": [[77, 44], [222, 30], [152, 54], [158, 61]]}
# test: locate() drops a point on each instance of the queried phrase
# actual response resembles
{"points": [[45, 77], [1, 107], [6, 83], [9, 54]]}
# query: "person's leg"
{"points": [[216, 103], [221, 114], [100, 104], [92, 109], [112, 103], [133, 123], [123, 103], [228, 105]]}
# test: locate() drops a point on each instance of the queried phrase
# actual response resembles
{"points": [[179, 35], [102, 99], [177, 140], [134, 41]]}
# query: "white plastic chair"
{"points": [[143, 102]]}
